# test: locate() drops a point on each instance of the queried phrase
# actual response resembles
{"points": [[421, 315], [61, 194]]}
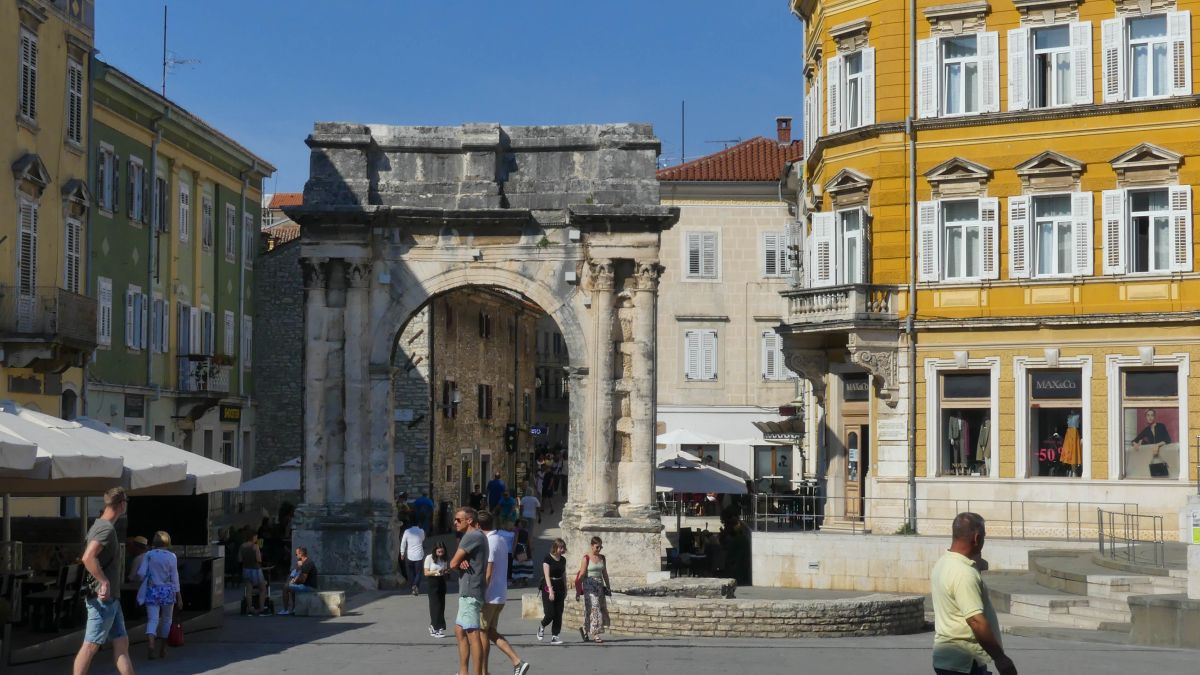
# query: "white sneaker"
{"points": [[554, 640], [439, 633], [282, 612], [541, 633]]}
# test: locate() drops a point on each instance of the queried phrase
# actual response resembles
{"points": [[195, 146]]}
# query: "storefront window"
{"points": [[966, 427], [1056, 422], [1150, 423]]}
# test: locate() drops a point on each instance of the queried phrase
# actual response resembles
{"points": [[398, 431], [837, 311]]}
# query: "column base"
{"points": [[352, 545], [632, 546]]}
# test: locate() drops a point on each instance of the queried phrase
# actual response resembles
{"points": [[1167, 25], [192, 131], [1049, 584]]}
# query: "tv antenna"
{"points": [[170, 60], [727, 142]]}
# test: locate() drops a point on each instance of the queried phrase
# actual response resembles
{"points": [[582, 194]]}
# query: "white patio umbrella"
{"points": [[196, 474], [65, 464], [681, 474], [15, 452], [686, 437], [285, 478]]}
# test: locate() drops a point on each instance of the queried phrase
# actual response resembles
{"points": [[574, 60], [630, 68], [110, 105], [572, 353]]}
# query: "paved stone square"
{"points": [[386, 633]]}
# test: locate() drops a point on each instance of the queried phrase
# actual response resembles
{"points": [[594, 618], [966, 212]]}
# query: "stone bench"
{"points": [[320, 603]]}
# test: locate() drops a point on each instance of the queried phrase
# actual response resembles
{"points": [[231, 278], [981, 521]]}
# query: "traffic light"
{"points": [[510, 437]]}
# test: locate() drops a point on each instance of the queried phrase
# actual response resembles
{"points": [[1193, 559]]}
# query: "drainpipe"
{"points": [[909, 323], [152, 267], [237, 441], [89, 288]]}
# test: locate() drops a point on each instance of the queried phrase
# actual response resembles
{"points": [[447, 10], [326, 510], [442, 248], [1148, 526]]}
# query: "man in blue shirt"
{"points": [[423, 508], [495, 490]]}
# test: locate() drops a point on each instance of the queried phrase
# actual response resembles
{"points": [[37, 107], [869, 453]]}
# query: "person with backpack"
{"points": [[159, 593]]}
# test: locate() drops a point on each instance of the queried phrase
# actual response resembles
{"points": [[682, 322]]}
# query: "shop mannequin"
{"points": [[954, 433], [1072, 447], [983, 451]]}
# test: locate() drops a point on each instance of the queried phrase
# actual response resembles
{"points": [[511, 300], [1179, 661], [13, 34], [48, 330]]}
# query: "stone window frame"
{"points": [[1021, 367], [934, 369], [951, 20], [1115, 364], [959, 18], [1146, 165], [1041, 13], [685, 276], [851, 38], [1123, 11], [958, 178], [1050, 172]]}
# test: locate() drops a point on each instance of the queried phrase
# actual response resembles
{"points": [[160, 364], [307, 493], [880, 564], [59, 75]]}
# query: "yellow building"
{"points": [[1000, 240], [47, 320]]}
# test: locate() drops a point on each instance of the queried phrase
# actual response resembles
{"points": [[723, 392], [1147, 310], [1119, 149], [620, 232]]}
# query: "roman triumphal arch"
{"points": [[568, 216]]}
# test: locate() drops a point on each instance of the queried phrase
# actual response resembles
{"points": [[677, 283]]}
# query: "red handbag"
{"points": [[579, 578], [175, 637]]}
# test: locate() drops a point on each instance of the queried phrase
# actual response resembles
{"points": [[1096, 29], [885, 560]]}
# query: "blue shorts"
{"points": [[301, 588], [253, 576], [105, 621], [468, 613]]}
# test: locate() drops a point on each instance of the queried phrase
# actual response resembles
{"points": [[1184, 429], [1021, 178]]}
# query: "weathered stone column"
{"points": [[357, 446], [315, 355], [598, 477], [638, 477]]}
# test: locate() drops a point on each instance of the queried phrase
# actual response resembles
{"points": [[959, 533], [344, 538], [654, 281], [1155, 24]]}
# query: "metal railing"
{"points": [[203, 374], [1006, 519], [1132, 537], [48, 313]]}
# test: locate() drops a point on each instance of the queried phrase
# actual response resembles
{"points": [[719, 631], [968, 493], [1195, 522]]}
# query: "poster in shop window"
{"points": [[1151, 435]]}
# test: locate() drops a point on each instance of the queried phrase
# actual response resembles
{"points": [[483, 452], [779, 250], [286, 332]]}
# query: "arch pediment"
{"points": [[31, 174], [958, 177], [1147, 164], [1050, 172]]}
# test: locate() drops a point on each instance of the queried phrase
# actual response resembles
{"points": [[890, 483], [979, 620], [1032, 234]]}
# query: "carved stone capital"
{"points": [[602, 274], [811, 365], [358, 273], [316, 273], [648, 273], [879, 359]]}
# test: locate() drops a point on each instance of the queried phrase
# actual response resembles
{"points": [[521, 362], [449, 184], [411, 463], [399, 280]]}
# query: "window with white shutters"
{"points": [[136, 190], [104, 311], [156, 336], [230, 233], [852, 240], [206, 222], [72, 243], [185, 212], [27, 248], [702, 255], [228, 345], [107, 181], [958, 75], [700, 354], [1050, 235], [1147, 56], [207, 335], [247, 340], [248, 240], [1147, 231], [773, 367], [851, 90], [775, 255], [74, 102], [822, 264], [968, 239], [29, 67], [183, 329]]}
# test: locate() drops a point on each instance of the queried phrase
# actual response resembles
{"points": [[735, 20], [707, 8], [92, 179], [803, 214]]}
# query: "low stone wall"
{"points": [[1165, 621], [708, 617], [685, 587]]}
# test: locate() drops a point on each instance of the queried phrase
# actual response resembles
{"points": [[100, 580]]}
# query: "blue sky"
{"points": [[268, 69]]}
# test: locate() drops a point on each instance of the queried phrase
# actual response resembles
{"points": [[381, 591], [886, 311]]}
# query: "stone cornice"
{"points": [[957, 10], [850, 28]]}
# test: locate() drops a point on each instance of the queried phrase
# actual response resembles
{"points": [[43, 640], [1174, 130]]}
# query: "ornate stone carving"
{"points": [[648, 272], [879, 359], [810, 365], [602, 274], [358, 273], [316, 273]]}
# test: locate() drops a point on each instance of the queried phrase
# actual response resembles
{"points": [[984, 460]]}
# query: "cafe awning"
{"points": [[789, 430], [200, 474], [285, 478], [686, 475], [15, 452]]}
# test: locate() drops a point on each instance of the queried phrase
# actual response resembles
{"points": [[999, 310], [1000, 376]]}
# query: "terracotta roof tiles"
{"points": [[281, 199], [758, 159]]}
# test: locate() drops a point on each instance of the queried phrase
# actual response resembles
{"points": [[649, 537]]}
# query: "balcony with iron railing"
{"points": [[203, 374], [835, 307], [46, 329]]}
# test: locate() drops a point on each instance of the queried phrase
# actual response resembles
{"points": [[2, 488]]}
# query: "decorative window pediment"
{"points": [[957, 18], [958, 177], [31, 14], [1140, 7], [851, 36], [848, 188], [1050, 172], [1147, 164], [76, 197], [31, 174], [1047, 12]]}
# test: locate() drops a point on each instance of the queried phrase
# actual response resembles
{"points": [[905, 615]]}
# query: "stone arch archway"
{"points": [[568, 217]]}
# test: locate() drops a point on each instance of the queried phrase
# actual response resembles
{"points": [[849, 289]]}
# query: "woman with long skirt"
{"points": [[591, 581]]}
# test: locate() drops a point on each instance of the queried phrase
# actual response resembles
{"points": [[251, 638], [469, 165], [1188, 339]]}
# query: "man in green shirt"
{"points": [[966, 634]]}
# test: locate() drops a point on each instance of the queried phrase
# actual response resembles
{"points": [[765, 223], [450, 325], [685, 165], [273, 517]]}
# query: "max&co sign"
{"points": [[1056, 384]]}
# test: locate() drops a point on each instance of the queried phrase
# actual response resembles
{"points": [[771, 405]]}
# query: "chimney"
{"points": [[783, 129]]}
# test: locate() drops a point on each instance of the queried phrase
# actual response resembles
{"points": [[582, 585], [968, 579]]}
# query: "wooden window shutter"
{"points": [[104, 315], [29, 66], [1018, 69], [1018, 237], [929, 241], [1081, 233], [708, 257], [989, 72], [824, 258], [989, 255], [1181, 227], [129, 323], [28, 250], [693, 254], [144, 328], [868, 86], [708, 355], [73, 233], [1081, 61], [927, 78], [1112, 49], [691, 349], [1179, 30], [770, 254], [1113, 215], [833, 97]]}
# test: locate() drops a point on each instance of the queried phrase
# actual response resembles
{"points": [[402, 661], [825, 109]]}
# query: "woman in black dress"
{"points": [[554, 591]]}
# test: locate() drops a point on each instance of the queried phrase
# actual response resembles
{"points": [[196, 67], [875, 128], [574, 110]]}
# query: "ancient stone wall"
{"points": [[278, 357], [413, 388]]}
